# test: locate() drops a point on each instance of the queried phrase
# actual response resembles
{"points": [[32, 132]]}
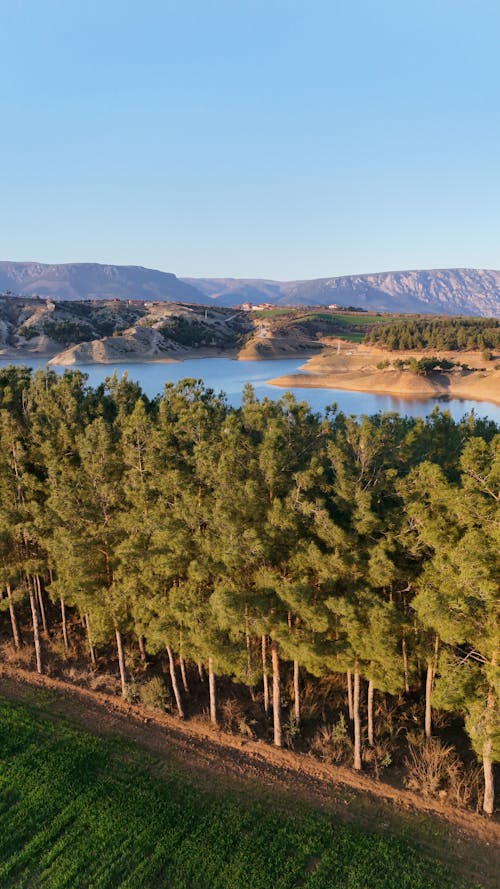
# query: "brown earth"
{"points": [[269, 343], [468, 843], [353, 367]]}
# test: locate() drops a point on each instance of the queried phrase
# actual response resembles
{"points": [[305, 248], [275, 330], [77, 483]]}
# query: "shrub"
{"points": [[28, 332], [429, 766], [233, 718], [332, 742], [291, 731], [154, 694], [379, 756], [69, 331]]}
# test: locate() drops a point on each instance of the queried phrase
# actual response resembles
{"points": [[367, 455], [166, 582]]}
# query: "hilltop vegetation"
{"points": [[452, 334], [353, 562]]}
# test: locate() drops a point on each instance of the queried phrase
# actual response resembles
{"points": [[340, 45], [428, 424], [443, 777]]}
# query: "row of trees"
{"points": [[249, 540], [455, 334]]}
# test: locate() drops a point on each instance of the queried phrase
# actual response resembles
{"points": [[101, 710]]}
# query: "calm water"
{"points": [[230, 376]]}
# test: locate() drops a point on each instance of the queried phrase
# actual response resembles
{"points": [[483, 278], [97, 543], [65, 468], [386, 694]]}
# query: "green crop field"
{"points": [[343, 320], [81, 811]]}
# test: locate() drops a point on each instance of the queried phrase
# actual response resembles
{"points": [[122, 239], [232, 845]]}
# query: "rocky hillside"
{"points": [[441, 291], [114, 330]]}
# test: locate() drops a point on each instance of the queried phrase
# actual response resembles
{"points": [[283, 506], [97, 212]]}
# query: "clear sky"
{"points": [[251, 138]]}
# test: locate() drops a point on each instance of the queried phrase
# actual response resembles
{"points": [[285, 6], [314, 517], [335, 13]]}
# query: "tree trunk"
{"points": [[89, 637], [349, 695], [276, 694], [248, 645], [41, 604], [175, 685], [200, 671], [489, 788], [265, 677], [370, 712], [415, 633], [36, 629], [428, 692], [405, 664], [436, 656], [142, 649], [212, 692], [357, 720], [121, 662], [185, 685], [16, 634], [429, 685], [64, 625], [296, 692], [182, 664]]}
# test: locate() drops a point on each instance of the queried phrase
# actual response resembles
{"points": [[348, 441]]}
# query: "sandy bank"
{"points": [[355, 369], [70, 358]]}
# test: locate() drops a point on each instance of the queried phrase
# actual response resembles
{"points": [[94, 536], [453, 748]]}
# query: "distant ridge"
{"points": [[437, 291], [91, 280]]}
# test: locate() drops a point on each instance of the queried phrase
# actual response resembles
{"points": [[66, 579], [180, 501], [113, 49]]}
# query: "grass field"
{"points": [[81, 811]]}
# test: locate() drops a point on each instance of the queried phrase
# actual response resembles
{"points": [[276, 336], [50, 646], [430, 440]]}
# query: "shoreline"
{"points": [[320, 381], [354, 368], [347, 367], [52, 359]]}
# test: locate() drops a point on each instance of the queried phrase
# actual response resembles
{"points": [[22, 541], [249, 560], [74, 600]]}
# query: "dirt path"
{"points": [[468, 842]]}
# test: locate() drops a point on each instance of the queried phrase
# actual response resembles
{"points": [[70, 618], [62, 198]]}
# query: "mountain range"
{"points": [[436, 291]]}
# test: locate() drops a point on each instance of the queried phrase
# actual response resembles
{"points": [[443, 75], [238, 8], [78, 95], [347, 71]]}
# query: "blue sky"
{"points": [[251, 139]]}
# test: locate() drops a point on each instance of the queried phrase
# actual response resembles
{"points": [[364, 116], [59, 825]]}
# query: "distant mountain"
{"points": [[90, 280], [440, 291]]}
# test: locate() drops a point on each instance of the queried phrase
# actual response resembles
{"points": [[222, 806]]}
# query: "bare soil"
{"points": [[468, 843]]}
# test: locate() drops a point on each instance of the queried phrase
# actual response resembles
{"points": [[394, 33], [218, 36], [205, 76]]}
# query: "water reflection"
{"points": [[229, 376]]}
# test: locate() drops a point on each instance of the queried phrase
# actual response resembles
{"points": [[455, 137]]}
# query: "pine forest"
{"points": [[328, 583]]}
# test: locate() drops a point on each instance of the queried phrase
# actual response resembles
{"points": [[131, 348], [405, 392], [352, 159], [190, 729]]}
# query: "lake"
{"points": [[230, 376]]}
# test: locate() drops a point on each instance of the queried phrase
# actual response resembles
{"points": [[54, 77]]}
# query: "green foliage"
{"points": [[28, 331], [192, 332], [154, 694], [66, 332], [333, 742], [80, 811], [453, 334]]}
